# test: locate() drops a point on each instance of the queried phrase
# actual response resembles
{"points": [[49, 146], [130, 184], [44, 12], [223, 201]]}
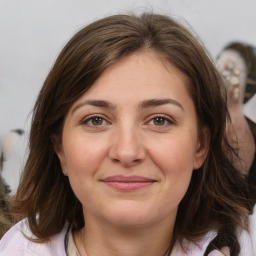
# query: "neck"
{"points": [[99, 239]]}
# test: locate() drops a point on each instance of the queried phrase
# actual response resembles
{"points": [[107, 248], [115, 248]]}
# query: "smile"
{"points": [[128, 183]]}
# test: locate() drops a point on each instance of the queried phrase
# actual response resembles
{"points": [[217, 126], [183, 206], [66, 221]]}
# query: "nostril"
{"points": [[127, 162]]}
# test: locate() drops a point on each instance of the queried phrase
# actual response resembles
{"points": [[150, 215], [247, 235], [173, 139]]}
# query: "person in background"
{"points": [[237, 64], [128, 152]]}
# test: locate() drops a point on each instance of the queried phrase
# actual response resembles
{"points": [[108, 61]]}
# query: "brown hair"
{"points": [[216, 196]]}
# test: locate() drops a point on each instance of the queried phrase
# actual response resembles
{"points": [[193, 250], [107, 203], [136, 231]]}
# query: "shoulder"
{"points": [[16, 243]]}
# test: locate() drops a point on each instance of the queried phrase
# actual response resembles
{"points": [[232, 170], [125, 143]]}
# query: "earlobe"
{"points": [[202, 147]]}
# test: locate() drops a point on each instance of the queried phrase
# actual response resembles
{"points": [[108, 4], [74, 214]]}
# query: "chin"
{"points": [[131, 222], [128, 216]]}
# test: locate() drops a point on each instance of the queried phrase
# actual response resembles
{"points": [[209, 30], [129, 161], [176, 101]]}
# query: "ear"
{"points": [[58, 149], [202, 147]]}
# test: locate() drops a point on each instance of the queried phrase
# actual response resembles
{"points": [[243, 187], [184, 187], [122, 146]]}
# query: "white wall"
{"points": [[32, 33]]}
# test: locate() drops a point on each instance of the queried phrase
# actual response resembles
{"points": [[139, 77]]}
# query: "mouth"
{"points": [[128, 183]]}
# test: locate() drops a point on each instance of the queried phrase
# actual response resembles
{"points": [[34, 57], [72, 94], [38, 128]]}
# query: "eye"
{"points": [[160, 121], [94, 121]]}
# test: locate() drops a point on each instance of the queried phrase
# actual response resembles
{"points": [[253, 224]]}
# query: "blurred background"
{"points": [[34, 31]]}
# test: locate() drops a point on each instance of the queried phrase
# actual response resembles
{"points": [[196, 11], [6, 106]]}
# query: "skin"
{"points": [[132, 135]]}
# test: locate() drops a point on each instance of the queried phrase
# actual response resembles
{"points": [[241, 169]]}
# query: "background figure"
{"points": [[6, 145], [237, 63]]}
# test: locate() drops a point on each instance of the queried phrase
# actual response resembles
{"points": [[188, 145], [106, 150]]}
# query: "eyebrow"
{"points": [[96, 103], [159, 102], [144, 104]]}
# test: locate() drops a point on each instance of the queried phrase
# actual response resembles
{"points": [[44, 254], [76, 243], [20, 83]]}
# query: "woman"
{"points": [[126, 150]]}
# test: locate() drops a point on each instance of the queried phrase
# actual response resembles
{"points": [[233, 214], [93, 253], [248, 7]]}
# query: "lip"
{"points": [[128, 183]]}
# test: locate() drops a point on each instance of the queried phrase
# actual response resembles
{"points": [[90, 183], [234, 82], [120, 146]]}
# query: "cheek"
{"points": [[83, 155], [174, 156], [83, 159], [175, 159]]}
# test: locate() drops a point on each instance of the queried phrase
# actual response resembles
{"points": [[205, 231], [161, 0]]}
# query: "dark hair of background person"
{"points": [[216, 197]]}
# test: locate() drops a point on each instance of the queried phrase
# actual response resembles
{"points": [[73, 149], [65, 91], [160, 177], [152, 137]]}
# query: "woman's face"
{"points": [[130, 143]]}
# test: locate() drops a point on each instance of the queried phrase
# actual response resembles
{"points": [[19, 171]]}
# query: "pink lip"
{"points": [[128, 183]]}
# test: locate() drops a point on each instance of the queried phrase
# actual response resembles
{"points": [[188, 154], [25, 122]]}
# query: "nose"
{"points": [[127, 147]]}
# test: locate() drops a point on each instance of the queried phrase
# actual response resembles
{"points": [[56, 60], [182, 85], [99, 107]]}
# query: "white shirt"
{"points": [[14, 243]]}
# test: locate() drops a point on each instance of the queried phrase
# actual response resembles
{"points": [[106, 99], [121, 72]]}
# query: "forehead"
{"points": [[148, 71], [136, 79]]}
